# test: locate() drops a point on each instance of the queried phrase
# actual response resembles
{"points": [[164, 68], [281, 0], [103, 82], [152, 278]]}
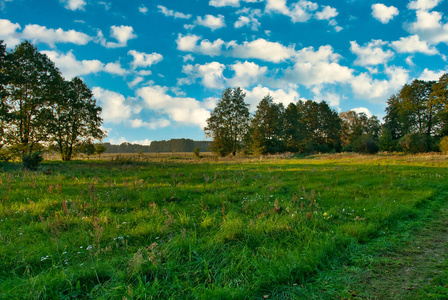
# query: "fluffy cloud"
{"points": [[171, 13], [114, 68], [257, 49], [301, 11], [261, 49], [75, 4], [37, 33], [246, 73], [384, 13], [423, 4], [115, 108], [153, 124], [8, 32], [429, 75], [71, 67], [323, 54], [317, 67], [327, 13], [364, 110], [187, 43], [429, 27], [211, 74], [379, 90], [254, 96], [332, 99], [221, 3], [371, 54], [250, 22], [141, 59], [248, 18], [308, 74], [143, 9], [412, 44], [187, 111], [121, 33], [211, 22]]}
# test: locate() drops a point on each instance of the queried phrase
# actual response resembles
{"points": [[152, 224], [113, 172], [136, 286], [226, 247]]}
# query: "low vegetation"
{"points": [[183, 228]]}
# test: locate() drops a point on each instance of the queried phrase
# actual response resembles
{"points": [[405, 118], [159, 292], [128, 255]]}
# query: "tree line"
{"points": [[416, 121], [40, 109], [173, 145]]}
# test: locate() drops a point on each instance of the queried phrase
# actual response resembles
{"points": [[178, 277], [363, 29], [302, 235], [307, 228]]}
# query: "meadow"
{"points": [[178, 227]]}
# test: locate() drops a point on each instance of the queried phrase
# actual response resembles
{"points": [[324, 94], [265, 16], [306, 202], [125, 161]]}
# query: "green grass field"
{"points": [[180, 228]]}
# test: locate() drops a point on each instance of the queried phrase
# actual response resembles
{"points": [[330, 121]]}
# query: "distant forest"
{"points": [[173, 145]]}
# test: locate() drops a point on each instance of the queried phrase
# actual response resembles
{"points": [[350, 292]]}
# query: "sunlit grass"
{"points": [[212, 228]]}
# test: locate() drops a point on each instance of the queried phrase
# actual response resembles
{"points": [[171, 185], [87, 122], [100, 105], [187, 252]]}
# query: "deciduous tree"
{"points": [[75, 117], [228, 123], [31, 74], [267, 127]]}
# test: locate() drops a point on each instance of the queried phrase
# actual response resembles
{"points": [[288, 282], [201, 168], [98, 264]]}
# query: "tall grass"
{"points": [[198, 229]]}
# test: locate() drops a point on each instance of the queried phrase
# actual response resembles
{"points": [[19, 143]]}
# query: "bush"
{"points": [[366, 144], [386, 141], [197, 152], [5, 155], [414, 143], [444, 145], [31, 161]]}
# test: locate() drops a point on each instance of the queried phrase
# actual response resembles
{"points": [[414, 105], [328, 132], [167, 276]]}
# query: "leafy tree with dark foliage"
{"points": [[75, 117], [31, 75], [38, 107], [228, 124], [266, 127]]}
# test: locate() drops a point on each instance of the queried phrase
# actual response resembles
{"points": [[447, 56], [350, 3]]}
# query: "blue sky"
{"points": [[157, 68]]}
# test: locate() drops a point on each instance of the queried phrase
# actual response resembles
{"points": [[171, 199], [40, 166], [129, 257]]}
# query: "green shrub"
{"points": [[414, 143], [197, 152], [386, 141], [444, 145], [32, 161], [5, 155], [365, 144]]}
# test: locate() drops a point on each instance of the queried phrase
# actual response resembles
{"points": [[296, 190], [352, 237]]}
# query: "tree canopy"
{"points": [[39, 108], [228, 124]]}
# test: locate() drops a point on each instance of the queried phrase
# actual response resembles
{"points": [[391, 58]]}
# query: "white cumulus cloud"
{"points": [[375, 90], [423, 4], [429, 75], [141, 59], [246, 74], [37, 33], [171, 13], [371, 54], [261, 49], [413, 44], [120, 33], [187, 111], [71, 67], [8, 32], [254, 96], [211, 21], [327, 13], [75, 4], [115, 108], [384, 13], [211, 74], [429, 26]]}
